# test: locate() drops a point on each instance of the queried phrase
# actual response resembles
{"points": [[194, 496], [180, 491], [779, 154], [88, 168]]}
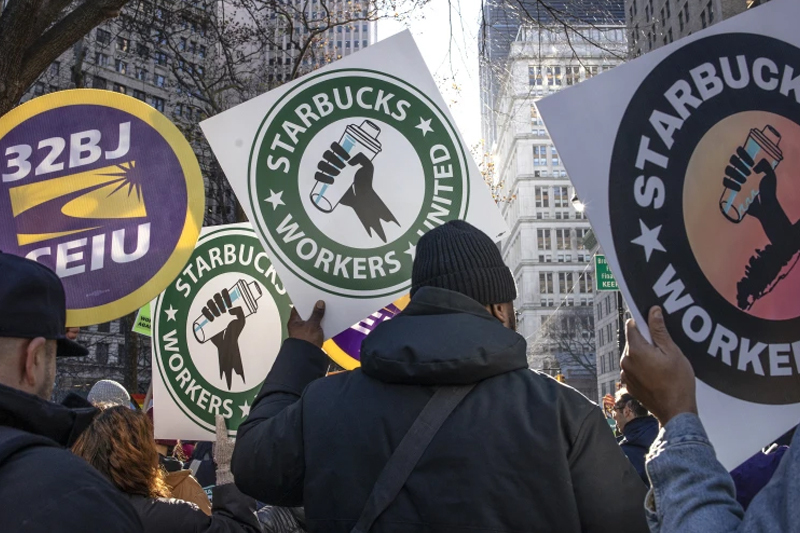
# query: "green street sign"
{"points": [[605, 280], [142, 323]]}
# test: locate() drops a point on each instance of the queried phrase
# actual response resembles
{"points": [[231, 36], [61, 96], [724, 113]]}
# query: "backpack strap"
{"points": [[408, 453]]}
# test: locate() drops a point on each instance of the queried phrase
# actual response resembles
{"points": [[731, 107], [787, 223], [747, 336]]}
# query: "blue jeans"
{"points": [[692, 492]]}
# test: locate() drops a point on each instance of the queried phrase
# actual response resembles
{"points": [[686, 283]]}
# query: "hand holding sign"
{"points": [[658, 374], [308, 330]]}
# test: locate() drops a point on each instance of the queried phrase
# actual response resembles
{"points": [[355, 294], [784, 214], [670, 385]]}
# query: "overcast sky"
{"points": [[450, 60]]}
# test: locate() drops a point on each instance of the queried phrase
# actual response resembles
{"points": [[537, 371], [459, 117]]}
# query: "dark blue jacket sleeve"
{"points": [[268, 462]]}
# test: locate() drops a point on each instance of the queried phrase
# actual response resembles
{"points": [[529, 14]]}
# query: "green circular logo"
{"points": [[349, 169], [218, 328]]}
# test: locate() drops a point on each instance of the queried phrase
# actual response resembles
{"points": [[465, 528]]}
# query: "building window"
{"points": [[141, 74], [142, 51], [554, 156], [139, 95], [99, 83], [543, 239], [536, 120], [38, 89], [647, 13], [546, 282], [669, 34], [159, 80], [666, 5], [101, 60], [680, 20], [710, 9], [580, 233], [123, 44], [542, 196], [703, 19], [573, 75], [55, 68], [201, 51], [121, 67], [182, 45], [686, 11], [120, 88], [561, 196], [563, 282], [539, 155], [591, 71], [563, 239], [103, 36], [156, 102], [101, 353], [160, 58]]}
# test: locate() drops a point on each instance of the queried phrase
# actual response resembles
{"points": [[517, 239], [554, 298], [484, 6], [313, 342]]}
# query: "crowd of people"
{"points": [[443, 428]]}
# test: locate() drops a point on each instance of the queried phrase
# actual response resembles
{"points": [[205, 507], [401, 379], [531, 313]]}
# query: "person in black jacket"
{"points": [[638, 428], [119, 444], [43, 487], [521, 452]]}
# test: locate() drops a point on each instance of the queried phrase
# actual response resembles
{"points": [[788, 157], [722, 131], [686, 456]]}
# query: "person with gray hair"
{"points": [[108, 393], [444, 427]]}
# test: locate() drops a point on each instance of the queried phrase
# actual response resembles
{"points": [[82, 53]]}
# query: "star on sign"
{"points": [[274, 199], [424, 126], [648, 240], [170, 313], [245, 409], [412, 251]]}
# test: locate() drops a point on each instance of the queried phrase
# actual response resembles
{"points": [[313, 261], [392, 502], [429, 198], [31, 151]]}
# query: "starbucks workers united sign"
{"points": [[343, 171]]}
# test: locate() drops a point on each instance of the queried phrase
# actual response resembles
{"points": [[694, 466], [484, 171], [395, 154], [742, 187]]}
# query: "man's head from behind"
{"points": [[626, 408], [32, 318], [459, 257]]}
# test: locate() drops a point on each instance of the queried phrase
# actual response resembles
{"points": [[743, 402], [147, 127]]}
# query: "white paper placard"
{"points": [[341, 171], [648, 146]]}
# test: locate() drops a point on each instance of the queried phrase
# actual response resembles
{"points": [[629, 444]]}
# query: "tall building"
{"points": [[500, 24], [545, 248], [169, 54], [654, 23], [611, 312]]}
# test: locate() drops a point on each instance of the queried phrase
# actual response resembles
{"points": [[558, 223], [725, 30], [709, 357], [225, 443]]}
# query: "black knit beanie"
{"points": [[460, 257]]}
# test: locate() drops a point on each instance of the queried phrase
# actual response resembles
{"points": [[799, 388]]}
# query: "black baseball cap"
{"points": [[33, 304]]}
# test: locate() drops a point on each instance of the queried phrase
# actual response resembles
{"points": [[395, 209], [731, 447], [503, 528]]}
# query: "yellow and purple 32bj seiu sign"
{"points": [[104, 190]]}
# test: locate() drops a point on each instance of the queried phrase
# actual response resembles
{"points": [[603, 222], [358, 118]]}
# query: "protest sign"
{"points": [[217, 330], [689, 174], [142, 323], [345, 348], [104, 190], [342, 171]]}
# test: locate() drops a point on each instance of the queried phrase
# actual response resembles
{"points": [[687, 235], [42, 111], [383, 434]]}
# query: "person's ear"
{"points": [[35, 362], [504, 313]]}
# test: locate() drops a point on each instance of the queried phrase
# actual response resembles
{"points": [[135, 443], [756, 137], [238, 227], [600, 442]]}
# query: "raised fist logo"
{"points": [[345, 176], [222, 320], [751, 187]]}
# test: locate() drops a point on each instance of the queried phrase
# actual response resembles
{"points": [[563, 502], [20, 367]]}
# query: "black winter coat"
{"points": [[231, 512], [521, 452], [45, 488], [639, 434]]}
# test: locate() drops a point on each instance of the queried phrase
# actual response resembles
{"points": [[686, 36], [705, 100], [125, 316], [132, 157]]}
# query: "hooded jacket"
{"points": [[521, 452], [638, 435], [45, 488]]}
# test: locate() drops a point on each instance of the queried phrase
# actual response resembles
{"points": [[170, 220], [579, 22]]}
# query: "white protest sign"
{"points": [[342, 171], [217, 330], [688, 161]]}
